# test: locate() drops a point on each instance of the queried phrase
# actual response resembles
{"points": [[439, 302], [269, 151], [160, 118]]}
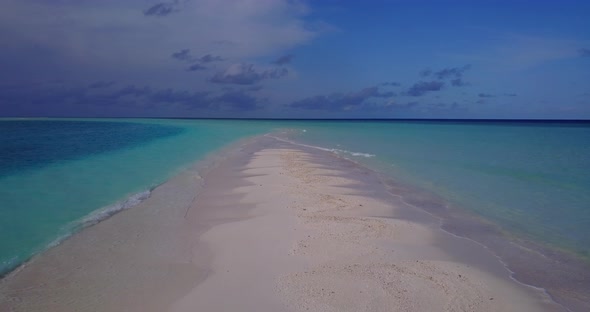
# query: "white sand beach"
{"points": [[274, 228]]}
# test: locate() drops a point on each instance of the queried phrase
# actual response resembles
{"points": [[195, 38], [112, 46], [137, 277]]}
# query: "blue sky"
{"points": [[295, 59]]}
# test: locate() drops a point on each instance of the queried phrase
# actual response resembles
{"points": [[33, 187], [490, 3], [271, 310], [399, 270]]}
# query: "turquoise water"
{"points": [[532, 179], [55, 173]]}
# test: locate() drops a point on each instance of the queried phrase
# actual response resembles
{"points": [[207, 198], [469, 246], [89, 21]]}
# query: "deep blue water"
{"points": [[28, 145], [530, 180], [57, 176]]}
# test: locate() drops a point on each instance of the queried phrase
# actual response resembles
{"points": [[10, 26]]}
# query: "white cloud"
{"points": [[116, 38]]}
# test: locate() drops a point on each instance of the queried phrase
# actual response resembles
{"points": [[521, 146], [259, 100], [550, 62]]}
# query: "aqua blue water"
{"points": [[55, 173], [532, 179]]}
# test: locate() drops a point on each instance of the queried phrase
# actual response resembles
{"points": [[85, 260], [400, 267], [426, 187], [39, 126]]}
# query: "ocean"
{"points": [[530, 178], [58, 176], [520, 188]]}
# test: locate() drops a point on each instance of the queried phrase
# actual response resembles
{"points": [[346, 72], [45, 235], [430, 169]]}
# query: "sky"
{"points": [[295, 59]]}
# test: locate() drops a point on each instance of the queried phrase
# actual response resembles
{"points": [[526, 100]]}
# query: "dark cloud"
{"points": [[584, 52], [285, 59], [246, 74], [275, 73], [486, 95], [101, 84], [208, 58], [420, 88], [458, 82], [131, 99], [162, 9], [183, 55], [454, 73], [341, 101], [392, 84], [196, 67], [426, 73], [197, 63]]}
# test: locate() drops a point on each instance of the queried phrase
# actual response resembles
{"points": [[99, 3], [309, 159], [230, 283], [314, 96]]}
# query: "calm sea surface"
{"points": [[55, 173], [531, 180]]}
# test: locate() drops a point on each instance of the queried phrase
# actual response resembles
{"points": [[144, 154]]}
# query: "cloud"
{"points": [[208, 58], [197, 63], [584, 52], [186, 56], [115, 39], [458, 82], [161, 9], [183, 55], [341, 101], [130, 100], [283, 60], [392, 84], [510, 94], [422, 87], [486, 95], [454, 72], [426, 73], [196, 67], [246, 74]]}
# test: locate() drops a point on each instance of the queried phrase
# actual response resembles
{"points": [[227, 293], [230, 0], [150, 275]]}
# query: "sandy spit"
{"points": [[276, 228]]}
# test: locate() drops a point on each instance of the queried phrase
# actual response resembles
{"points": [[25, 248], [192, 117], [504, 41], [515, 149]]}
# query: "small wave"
{"points": [[104, 213], [100, 215], [8, 265], [14, 264], [332, 150], [353, 153]]}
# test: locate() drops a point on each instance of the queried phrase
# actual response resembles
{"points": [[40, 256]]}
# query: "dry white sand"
{"points": [[283, 233], [310, 245]]}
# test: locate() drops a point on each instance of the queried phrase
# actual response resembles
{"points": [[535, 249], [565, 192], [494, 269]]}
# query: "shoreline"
{"points": [[523, 258], [219, 177], [199, 168]]}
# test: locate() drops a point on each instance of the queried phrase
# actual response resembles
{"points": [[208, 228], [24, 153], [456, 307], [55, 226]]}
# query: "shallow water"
{"points": [[517, 187], [530, 178], [55, 174]]}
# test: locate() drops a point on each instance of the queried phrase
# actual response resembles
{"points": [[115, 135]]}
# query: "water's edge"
{"points": [[567, 287], [199, 168], [561, 275]]}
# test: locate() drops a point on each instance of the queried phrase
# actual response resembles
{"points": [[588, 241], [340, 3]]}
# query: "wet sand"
{"points": [[273, 227]]}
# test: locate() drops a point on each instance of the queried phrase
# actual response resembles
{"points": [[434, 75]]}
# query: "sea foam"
{"points": [[108, 211]]}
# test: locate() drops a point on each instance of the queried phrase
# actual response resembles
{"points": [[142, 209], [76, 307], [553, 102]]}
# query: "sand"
{"points": [[275, 227]]}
